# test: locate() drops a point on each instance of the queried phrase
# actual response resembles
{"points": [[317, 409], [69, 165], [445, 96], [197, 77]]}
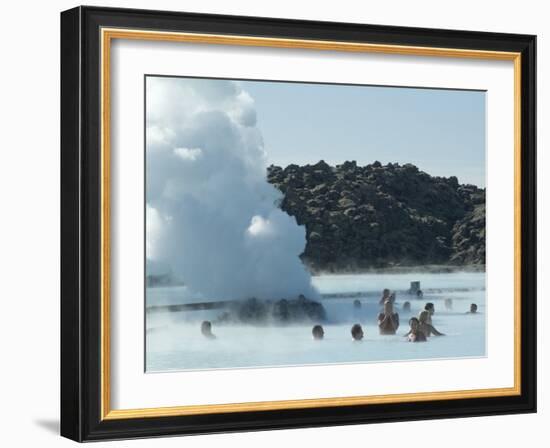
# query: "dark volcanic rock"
{"points": [[283, 311], [469, 238], [379, 216]]}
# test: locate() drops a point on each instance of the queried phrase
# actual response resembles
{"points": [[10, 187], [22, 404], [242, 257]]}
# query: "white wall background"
{"points": [[29, 246]]}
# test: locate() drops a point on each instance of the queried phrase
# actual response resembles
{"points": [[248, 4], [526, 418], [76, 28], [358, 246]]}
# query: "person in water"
{"points": [[318, 332], [419, 294], [430, 308], [449, 304], [473, 309], [388, 321], [206, 330], [357, 332], [385, 296], [357, 303], [415, 334], [425, 326], [407, 307]]}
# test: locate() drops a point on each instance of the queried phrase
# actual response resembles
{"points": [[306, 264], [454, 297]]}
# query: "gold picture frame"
{"points": [[122, 25]]}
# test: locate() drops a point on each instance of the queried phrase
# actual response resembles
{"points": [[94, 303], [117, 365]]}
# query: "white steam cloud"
{"points": [[212, 217]]}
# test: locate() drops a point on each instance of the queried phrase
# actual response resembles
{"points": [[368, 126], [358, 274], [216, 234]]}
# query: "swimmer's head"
{"points": [[357, 332], [206, 328], [473, 308], [407, 306], [430, 307], [318, 332], [413, 323], [386, 292], [357, 303]]}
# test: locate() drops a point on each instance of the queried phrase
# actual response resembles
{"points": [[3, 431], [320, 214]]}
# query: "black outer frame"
{"points": [[80, 224]]}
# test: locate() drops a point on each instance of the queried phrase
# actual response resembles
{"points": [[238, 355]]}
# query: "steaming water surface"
{"points": [[174, 340]]}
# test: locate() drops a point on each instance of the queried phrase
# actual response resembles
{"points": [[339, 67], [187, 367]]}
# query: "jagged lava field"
{"points": [[382, 216]]}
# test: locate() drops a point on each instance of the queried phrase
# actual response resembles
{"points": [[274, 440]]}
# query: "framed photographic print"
{"points": [[273, 223]]}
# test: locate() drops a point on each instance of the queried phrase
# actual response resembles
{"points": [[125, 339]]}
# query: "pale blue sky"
{"points": [[440, 131]]}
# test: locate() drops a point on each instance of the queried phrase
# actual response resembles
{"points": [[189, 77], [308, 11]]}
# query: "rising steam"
{"points": [[212, 217]]}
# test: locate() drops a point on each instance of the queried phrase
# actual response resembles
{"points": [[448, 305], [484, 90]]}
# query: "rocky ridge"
{"points": [[380, 216]]}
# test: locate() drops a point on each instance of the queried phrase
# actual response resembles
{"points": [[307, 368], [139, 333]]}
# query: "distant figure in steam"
{"points": [[407, 307], [419, 294], [281, 310], [318, 332], [448, 304], [357, 332], [473, 309], [388, 321], [357, 304], [415, 334], [385, 296], [206, 330], [427, 328]]}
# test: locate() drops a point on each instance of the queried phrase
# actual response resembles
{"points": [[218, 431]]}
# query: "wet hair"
{"points": [[357, 332], [357, 303], [386, 291], [429, 306], [407, 306], [473, 308], [412, 320], [317, 332]]}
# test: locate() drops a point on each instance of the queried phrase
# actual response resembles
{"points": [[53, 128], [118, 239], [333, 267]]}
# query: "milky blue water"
{"points": [[174, 340]]}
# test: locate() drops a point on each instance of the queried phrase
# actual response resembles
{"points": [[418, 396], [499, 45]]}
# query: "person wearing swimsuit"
{"points": [[415, 334]]}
